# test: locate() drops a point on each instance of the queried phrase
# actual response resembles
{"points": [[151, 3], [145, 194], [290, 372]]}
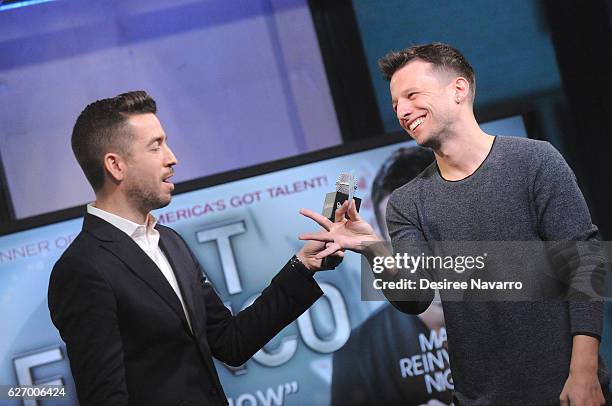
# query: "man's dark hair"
{"points": [[400, 168], [100, 129], [442, 56]]}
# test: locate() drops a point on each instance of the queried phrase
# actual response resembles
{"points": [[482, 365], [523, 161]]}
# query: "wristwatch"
{"points": [[297, 265]]}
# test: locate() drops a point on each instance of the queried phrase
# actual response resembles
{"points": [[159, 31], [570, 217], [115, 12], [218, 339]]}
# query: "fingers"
{"points": [[341, 211], [320, 219], [321, 236], [339, 254], [353, 213], [331, 248]]}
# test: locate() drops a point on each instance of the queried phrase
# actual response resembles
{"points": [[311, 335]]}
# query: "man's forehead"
{"points": [[417, 74], [142, 120], [145, 126], [414, 69]]}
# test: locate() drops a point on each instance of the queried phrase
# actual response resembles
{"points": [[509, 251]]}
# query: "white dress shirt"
{"points": [[147, 238]]}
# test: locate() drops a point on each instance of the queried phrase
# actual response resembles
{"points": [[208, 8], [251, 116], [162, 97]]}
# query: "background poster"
{"points": [[242, 232]]}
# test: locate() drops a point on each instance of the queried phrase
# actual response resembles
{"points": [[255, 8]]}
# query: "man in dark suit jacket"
{"points": [[140, 321]]}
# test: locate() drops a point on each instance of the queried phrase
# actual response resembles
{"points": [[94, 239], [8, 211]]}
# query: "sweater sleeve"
{"points": [[406, 237], [565, 221]]}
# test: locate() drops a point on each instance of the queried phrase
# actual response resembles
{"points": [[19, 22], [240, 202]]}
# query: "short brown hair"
{"points": [[100, 128], [442, 56]]}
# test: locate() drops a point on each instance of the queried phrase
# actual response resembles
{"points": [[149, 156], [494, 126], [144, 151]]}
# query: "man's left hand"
{"points": [[308, 255], [582, 389]]}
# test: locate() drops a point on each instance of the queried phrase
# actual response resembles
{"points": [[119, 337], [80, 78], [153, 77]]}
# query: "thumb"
{"points": [[340, 212], [352, 211], [564, 398]]}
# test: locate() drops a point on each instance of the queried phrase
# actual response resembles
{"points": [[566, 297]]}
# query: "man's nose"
{"points": [[404, 109], [170, 158]]}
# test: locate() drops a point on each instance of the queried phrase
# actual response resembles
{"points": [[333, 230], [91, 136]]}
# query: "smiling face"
{"points": [[149, 164], [423, 100]]}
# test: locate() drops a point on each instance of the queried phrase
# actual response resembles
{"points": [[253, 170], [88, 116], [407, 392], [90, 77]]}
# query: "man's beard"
{"points": [[436, 137], [144, 199], [432, 142]]}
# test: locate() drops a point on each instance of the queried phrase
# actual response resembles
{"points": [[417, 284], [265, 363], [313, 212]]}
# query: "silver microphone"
{"points": [[346, 185]]}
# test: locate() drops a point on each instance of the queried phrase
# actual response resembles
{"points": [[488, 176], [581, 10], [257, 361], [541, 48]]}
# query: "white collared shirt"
{"points": [[147, 238]]}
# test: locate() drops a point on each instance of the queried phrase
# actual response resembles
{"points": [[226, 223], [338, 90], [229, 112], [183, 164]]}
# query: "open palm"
{"points": [[351, 234]]}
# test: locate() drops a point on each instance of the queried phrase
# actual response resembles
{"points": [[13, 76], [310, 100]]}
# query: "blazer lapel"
{"points": [[179, 257], [123, 247], [183, 272]]}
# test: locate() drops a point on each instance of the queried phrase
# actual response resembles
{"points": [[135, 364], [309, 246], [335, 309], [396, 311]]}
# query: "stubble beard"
{"points": [[434, 141], [438, 136], [144, 199]]}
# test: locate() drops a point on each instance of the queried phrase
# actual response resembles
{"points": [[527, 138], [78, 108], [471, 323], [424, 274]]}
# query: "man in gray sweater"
{"points": [[486, 188]]}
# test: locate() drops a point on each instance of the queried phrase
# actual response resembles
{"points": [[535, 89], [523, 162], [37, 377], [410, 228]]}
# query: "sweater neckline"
{"points": [[475, 171]]}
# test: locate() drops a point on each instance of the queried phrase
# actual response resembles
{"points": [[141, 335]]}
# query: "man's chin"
{"points": [[165, 202], [162, 202], [420, 140], [428, 142]]}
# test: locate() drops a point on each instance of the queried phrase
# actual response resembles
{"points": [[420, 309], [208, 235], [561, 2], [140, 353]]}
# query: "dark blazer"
{"points": [[125, 331]]}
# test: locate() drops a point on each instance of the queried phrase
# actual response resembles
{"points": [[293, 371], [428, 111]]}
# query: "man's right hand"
{"points": [[352, 234]]}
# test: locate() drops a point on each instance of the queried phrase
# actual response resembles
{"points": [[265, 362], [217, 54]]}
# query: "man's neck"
{"points": [[460, 154], [120, 207]]}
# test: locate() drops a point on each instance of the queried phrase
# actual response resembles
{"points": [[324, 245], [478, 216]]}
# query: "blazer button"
{"points": [[213, 391]]}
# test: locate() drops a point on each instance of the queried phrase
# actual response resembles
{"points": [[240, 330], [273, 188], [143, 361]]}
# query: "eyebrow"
{"points": [[405, 92], [409, 90], [159, 138]]}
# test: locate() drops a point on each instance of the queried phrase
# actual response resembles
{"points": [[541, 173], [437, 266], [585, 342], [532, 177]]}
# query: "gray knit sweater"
{"points": [[503, 353]]}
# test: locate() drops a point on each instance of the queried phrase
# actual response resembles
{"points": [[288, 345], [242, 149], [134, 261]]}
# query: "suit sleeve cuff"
{"points": [[298, 266], [298, 284]]}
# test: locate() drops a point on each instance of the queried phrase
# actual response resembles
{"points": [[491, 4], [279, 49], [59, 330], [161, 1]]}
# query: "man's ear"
{"points": [[115, 166], [462, 89]]}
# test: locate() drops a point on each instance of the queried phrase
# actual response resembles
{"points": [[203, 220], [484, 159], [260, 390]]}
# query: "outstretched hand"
{"points": [[350, 234], [308, 255]]}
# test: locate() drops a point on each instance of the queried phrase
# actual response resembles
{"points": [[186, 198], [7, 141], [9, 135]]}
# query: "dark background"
{"points": [[548, 61]]}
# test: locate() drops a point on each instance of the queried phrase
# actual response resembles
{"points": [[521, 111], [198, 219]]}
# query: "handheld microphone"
{"points": [[345, 189]]}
